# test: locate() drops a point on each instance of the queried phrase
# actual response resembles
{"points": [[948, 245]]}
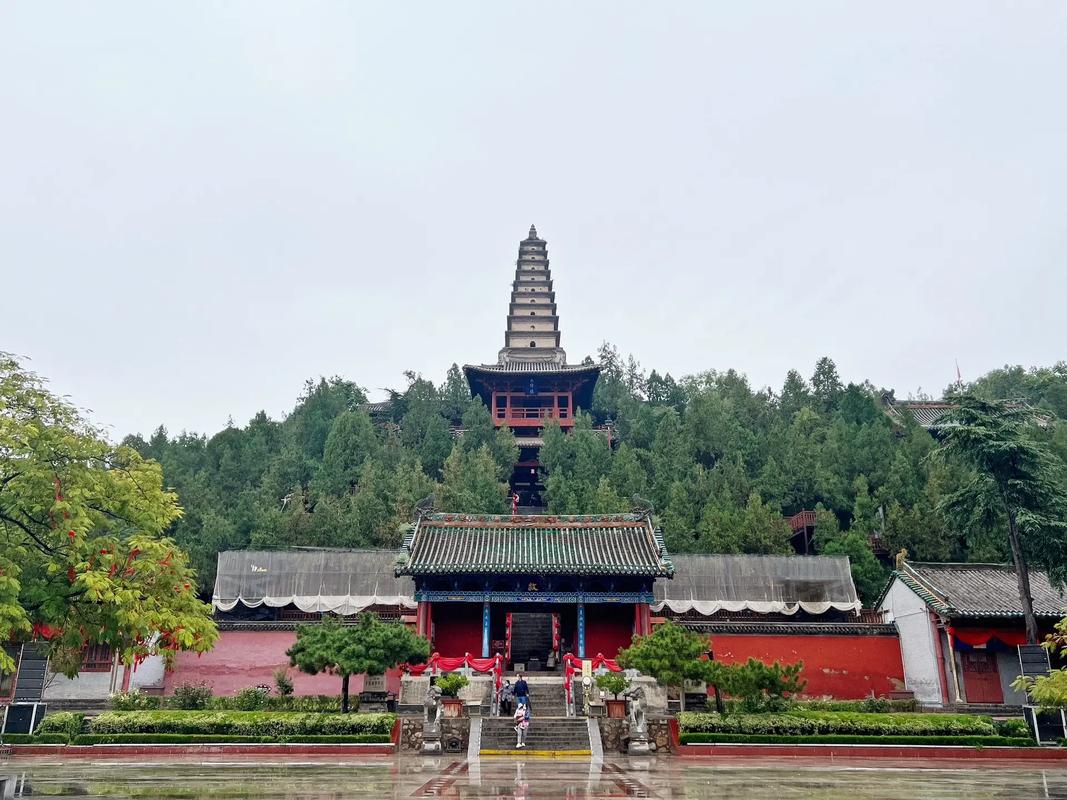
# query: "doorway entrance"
{"points": [[981, 677]]}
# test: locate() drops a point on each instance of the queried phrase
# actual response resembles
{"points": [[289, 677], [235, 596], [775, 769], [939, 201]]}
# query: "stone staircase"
{"points": [[550, 729], [545, 734], [547, 698]]}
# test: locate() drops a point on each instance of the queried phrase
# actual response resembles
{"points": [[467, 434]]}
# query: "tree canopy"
{"points": [[1016, 486], [721, 461], [83, 558], [670, 654], [369, 647]]}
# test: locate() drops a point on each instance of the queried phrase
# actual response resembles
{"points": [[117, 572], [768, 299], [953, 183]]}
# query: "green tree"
{"points": [[1017, 486], [867, 572], [351, 441], [82, 556], [471, 483], [796, 394], [671, 655], [455, 395], [367, 647], [826, 386]]}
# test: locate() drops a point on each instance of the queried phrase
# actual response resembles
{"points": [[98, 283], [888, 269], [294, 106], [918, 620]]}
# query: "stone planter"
{"points": [[452, 707], [616, 709]]}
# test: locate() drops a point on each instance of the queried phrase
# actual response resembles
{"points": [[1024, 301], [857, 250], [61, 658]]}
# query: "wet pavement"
{"points": [[522, 779]]}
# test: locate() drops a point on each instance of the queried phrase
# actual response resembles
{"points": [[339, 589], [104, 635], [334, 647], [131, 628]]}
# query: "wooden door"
{"points": [[981, 678]]}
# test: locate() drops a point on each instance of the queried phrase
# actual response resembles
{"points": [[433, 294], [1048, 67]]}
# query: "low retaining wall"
{"points": [[613, 733], [903, 752], [455, 734], [123, 750]]}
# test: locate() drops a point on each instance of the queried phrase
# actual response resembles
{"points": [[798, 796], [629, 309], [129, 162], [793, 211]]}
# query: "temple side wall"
{"points": [[918, 647], [249, 658], [847, 667]]}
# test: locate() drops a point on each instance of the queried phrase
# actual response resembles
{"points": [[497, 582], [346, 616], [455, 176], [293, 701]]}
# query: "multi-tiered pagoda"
{"points": [[531, 382]]}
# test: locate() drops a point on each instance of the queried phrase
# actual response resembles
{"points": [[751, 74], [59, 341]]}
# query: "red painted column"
{"points": [[642, 619]]}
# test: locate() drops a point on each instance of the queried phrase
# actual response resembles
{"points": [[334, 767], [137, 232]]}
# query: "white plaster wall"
{"points": [[148, 675], [917, 644], [84, 686]]}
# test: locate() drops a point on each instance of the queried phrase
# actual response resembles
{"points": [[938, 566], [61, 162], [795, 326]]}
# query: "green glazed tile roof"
{"points": [[623, 544]]}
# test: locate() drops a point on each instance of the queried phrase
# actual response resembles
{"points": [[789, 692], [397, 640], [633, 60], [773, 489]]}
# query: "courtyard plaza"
{"points": [[507, 778]]}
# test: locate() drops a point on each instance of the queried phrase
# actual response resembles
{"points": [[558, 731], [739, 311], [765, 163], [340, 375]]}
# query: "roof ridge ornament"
{"points": [[533, 232]]}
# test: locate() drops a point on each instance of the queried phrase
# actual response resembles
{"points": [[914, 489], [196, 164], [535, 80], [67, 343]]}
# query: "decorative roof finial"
{"points": [[533, 232]]}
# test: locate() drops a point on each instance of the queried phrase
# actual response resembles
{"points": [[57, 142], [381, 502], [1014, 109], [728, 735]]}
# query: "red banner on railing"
{"points": [[439, 663]]}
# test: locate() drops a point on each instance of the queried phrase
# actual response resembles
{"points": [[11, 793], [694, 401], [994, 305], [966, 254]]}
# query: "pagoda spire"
{"points": [[532, 332]]}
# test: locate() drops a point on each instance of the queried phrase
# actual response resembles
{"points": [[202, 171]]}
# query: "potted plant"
{"points": [[450, 684], [616, 683]]}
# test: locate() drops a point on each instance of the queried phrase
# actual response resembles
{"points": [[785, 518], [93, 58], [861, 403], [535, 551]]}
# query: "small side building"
{"points": [[960, 626], [788, 609]]}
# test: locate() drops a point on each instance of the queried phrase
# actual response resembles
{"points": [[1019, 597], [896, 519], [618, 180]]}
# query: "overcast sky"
{"points": [[204, 204]]}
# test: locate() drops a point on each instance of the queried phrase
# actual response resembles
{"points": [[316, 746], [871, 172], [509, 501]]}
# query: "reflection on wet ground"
{"points": [[522, 779]]}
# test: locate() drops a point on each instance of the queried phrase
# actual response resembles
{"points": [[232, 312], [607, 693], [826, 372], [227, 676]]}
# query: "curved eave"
{"points": [[539, 569]]}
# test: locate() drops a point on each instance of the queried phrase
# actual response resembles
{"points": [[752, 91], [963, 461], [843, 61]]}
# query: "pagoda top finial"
{"points": [[533, 232]]}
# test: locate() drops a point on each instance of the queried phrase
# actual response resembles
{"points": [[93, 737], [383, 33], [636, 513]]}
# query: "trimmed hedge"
{"points": [[968, 741], [185, 738], [877, 705], [269, 724], [66, 722], [1012, 727], [244, 700], [816, 723]]}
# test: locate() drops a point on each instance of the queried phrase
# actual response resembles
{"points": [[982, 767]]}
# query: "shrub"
{"points": [[65, 722], [317, 702], [759, 686], [192, 696], [808, 723], [451, 683], [880, 705], [283, 683], [134, 701], [241, 723], [1012, 727], [251, 698], [963, 741], [614, 682]]}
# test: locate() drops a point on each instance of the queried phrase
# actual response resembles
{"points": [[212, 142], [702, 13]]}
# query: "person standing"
{"points": [[522, 724], [507, 698], [522, 690]]}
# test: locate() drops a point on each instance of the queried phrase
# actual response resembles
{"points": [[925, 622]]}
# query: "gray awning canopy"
{"points": [[708, 584], [336, 581]]}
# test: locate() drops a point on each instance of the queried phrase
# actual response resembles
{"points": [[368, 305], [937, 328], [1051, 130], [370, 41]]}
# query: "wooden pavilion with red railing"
{"points": [[531, 384]]}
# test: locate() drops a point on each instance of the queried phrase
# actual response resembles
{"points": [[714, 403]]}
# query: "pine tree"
{"points": [[1018, 485]]}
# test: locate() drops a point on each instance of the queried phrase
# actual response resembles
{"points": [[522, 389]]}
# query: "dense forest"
{"points": [[722, 463]]}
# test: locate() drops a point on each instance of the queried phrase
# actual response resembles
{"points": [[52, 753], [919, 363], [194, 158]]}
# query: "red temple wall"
{"points": [[608, 628], [457, 629], [845, 667], [249, 658]]}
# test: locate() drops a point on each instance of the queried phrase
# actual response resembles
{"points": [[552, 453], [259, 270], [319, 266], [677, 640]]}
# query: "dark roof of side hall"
{"points": [[621, 544], [979, 590]]}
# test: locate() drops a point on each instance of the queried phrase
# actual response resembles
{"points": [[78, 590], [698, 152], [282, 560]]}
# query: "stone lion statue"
{"points": [[635, 697], [432, 708]]}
